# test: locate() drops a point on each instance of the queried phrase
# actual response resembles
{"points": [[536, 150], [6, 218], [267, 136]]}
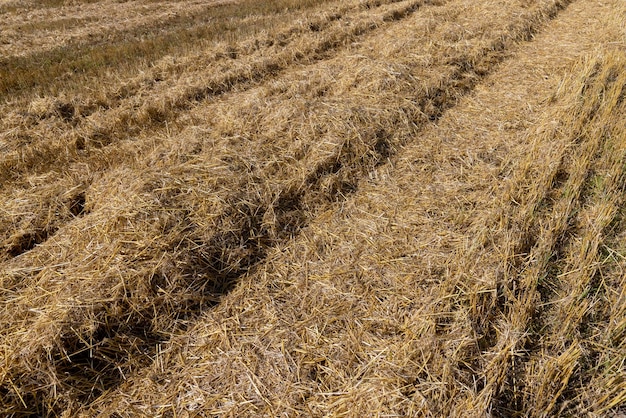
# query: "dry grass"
{"points": [[391, 208]]}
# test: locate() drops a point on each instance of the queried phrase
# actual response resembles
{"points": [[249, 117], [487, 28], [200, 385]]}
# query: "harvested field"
{"points": [[320, 208]]}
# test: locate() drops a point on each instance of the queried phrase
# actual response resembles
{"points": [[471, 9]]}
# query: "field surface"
{"points": [[316, 208]]}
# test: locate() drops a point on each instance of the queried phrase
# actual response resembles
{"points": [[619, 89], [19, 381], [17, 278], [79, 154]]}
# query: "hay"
{"points": [[394, 225]]}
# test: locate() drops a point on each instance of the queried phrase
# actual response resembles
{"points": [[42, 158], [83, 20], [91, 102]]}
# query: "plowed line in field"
{"points": [[380, 150]]}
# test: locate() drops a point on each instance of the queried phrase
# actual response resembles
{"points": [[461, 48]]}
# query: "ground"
{"points": [[313, 208]]}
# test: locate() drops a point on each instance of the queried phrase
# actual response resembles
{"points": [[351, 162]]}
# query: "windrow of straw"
{"points": [[36, 212], [329, 160], [403, 299], [50, 136], [433, 96]]}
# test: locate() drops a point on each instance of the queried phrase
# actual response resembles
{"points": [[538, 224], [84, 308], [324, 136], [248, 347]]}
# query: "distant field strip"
{"points": [[178, 86], [120, 51], [29, 33]]}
